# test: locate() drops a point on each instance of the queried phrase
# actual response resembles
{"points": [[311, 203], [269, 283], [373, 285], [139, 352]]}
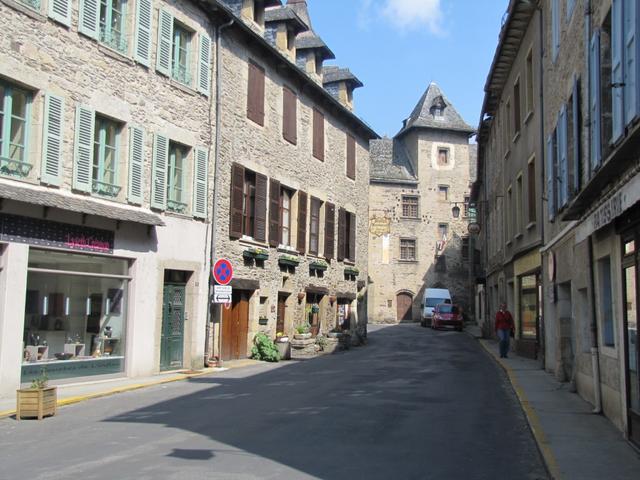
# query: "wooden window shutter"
{"points": [[136, 165], [142, 48], [318, 134], [274, 213], [255, 94], [289, 115], [200, 183], [237, 197], [351, 157], [260, 233], [204, 65], [159, 172], [52, 140], [314, 226], [352, 237], [329, 230], [88, 22], [60, 11], [83, 157], [341, 234], [302, 222], [165, 42]]}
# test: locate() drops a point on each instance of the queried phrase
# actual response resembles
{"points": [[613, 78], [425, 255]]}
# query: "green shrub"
{"points": [[264, 349], [303, 328]]}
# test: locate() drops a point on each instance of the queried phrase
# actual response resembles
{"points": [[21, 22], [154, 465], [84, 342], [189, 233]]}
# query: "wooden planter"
{"points": [[36, 402]]}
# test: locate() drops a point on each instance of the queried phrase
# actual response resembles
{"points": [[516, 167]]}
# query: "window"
{"points": [[346, 235], [248, 212], [516, 108], [443, 231], [519, 204], [112, 24], [443, 156], [329, 230], [443, 193], [105, 156], [351, 157], [285, 216], [551, 175], [176, 197], [509, 215], [570, 6], [15, 106], [606, 302], [289, 115], [555, 28], [531, 182], [180, 57], [407, 249], [410, 206], [314, 226], [258, 12], [318, 135], [255, 94], [249, 204], [35, 4], [508, 124], [529, 78]]}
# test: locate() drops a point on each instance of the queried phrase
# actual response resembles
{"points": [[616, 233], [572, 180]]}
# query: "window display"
{"points": [[75, 315]]}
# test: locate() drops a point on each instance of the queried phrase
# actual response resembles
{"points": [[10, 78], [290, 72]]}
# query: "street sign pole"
{"points": [[222, 274]]}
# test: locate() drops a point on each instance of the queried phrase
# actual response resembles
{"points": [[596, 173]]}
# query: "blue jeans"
{"points": [[503, 336]]}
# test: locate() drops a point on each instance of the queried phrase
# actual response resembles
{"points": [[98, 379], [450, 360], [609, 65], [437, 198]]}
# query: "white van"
{"points": [[431, 298]]}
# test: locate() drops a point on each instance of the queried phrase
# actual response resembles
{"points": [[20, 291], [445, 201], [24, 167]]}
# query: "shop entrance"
{"points": [[631, 290], [172, 337], [235, 326], [529, 315]]}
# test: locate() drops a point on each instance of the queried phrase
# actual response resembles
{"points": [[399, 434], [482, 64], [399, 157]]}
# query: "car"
{"points": [[447, 315], [430, 298]]}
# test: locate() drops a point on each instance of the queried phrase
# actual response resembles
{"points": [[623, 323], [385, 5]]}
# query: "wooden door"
{"points": [[404, 301], [172, 338], [282, 309], [235, 327]]}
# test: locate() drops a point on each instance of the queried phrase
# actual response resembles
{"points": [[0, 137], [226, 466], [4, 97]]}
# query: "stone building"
{"points": [[415, 240], [294, 222], [588, 317]]}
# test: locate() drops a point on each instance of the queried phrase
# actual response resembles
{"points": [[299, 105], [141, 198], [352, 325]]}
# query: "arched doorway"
{"points": [[404, 302]]}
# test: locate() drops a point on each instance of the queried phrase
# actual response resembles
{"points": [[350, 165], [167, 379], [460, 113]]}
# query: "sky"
{"points": [[397, 47]]}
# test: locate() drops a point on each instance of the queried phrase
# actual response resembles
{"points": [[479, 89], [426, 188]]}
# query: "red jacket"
{"points": [[504, 321]]}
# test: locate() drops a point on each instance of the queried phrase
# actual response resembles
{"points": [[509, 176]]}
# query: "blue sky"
{"points": [[396, 47]]}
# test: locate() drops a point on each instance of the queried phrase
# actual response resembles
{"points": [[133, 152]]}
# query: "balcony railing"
{"points": [[104, 188], [181, 74], [175, 206], [115, 40], [14, 168], [35, 4]]}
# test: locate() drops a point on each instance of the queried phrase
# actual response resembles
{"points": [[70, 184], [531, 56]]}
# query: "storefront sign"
{"points": [[45, 233], [615, 206]]}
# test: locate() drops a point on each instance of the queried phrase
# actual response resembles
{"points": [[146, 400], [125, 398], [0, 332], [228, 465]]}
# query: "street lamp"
{"points": [[455, 211]]}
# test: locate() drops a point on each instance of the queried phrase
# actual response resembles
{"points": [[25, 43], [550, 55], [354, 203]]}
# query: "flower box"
{"points": [[351, 271], [289, 260], [319, 266], [36, 402], [255, 253]]}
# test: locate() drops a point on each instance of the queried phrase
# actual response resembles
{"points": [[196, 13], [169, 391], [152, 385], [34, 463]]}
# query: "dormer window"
{"points": [[319, 65], [437, 107], [291, 39], [258, 12]]}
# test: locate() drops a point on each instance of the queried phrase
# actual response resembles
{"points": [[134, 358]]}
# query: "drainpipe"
{"points": [[214, 215], [543, 151], [595, 360]]}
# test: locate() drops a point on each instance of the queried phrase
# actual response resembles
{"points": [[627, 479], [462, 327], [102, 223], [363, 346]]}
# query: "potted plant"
{"points": [[264, 349], [256, 253], [302, 332], [289, 260], [39, 400], [283, 346], [318, 265]]}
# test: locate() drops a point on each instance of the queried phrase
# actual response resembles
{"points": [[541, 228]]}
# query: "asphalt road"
{"points": [[412, 404]]}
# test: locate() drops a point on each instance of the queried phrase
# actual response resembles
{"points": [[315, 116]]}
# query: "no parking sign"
{"points": [[222, 272]]}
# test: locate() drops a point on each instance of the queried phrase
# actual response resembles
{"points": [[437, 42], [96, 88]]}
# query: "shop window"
{"points": [[105, 156], [528, 306], [15, 106], [606, 302], [410, 205], [75, 320], [176, 196], [112, 24], [408, 249]]}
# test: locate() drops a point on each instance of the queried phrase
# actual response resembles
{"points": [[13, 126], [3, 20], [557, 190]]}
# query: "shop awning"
{"points": [[65, 200]]}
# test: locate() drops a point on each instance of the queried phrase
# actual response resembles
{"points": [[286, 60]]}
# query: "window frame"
{"points": [[285, 227], [315, 209], [443, 189], [407, 204], [105, 33], [412, 246], [24, 166], [173, 204], [99, 183], [183, 73]]}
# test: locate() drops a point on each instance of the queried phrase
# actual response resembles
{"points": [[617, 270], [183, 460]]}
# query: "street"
{"points": [[412, 404]]}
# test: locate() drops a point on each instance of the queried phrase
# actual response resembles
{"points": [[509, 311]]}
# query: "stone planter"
{"points": [[36, 402], [303, 348], [284, 348], [302, 336]]}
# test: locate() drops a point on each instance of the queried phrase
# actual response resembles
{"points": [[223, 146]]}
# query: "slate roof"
{"points": [[308, 39], [284, 14], [390, 162], [423, 116], [331, 74], [66, 200]]}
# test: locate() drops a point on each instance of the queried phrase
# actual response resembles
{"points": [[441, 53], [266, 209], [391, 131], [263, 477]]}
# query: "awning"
{"points": [[317, 289], [65, 200]]}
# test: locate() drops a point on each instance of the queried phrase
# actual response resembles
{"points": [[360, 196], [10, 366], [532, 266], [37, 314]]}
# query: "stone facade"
{"points": [[410, 166]]}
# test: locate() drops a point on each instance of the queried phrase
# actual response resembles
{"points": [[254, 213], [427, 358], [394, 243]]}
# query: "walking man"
{"points": [[504, 329]]}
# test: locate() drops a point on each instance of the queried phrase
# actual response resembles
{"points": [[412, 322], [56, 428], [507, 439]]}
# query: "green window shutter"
{"points": [[52, 140], [88, 23], [165, 40], [159, 174], [142, 49], [204, 64], [60, 11], [200, 179], [83, 151], [136, 166]]}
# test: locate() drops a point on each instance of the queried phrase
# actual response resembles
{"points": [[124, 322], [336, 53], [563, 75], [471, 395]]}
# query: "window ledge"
{"points": [[28, 11], [351, 263], [528, 117], [531, 225], [518, 236], [183, 216], [516, 137], [246, 240], [410, 219], [182, 87], [401, 260], [508, 243], [115, 54], [287, 249], [506, 154]]}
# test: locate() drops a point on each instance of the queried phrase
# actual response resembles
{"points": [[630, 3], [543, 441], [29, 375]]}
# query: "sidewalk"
{"points": [[79, 392], [575, 443]]}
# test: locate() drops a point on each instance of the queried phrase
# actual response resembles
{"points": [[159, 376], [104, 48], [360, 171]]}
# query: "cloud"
{"points": [[413, 14]]}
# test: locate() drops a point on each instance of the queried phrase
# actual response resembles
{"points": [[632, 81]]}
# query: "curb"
{"points": [[532, 418], [138, 386]]}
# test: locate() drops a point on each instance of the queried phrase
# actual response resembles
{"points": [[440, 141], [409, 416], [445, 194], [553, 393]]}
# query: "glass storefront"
{"points": [[528, 306], [75, 315]]}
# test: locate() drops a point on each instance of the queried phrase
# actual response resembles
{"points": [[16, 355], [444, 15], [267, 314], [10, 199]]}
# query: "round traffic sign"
{"points": [[222, 272], [473, 228]]}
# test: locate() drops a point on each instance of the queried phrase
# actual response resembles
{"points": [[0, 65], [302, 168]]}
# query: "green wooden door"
{"points": [[172, 340]]}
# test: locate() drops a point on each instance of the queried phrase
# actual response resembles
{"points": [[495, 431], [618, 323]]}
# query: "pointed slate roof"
{"points": [[332, 74], [284, 13], [308, 39], [390, 162], [424, 114]]}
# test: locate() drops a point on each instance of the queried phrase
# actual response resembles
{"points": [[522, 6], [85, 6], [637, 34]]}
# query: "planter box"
{"points": [[289, 262], [321, 267], [261, 257], [39, 403]]}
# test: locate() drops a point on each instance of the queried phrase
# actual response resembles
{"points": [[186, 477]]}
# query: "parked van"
{"points": [[431, 298]]}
